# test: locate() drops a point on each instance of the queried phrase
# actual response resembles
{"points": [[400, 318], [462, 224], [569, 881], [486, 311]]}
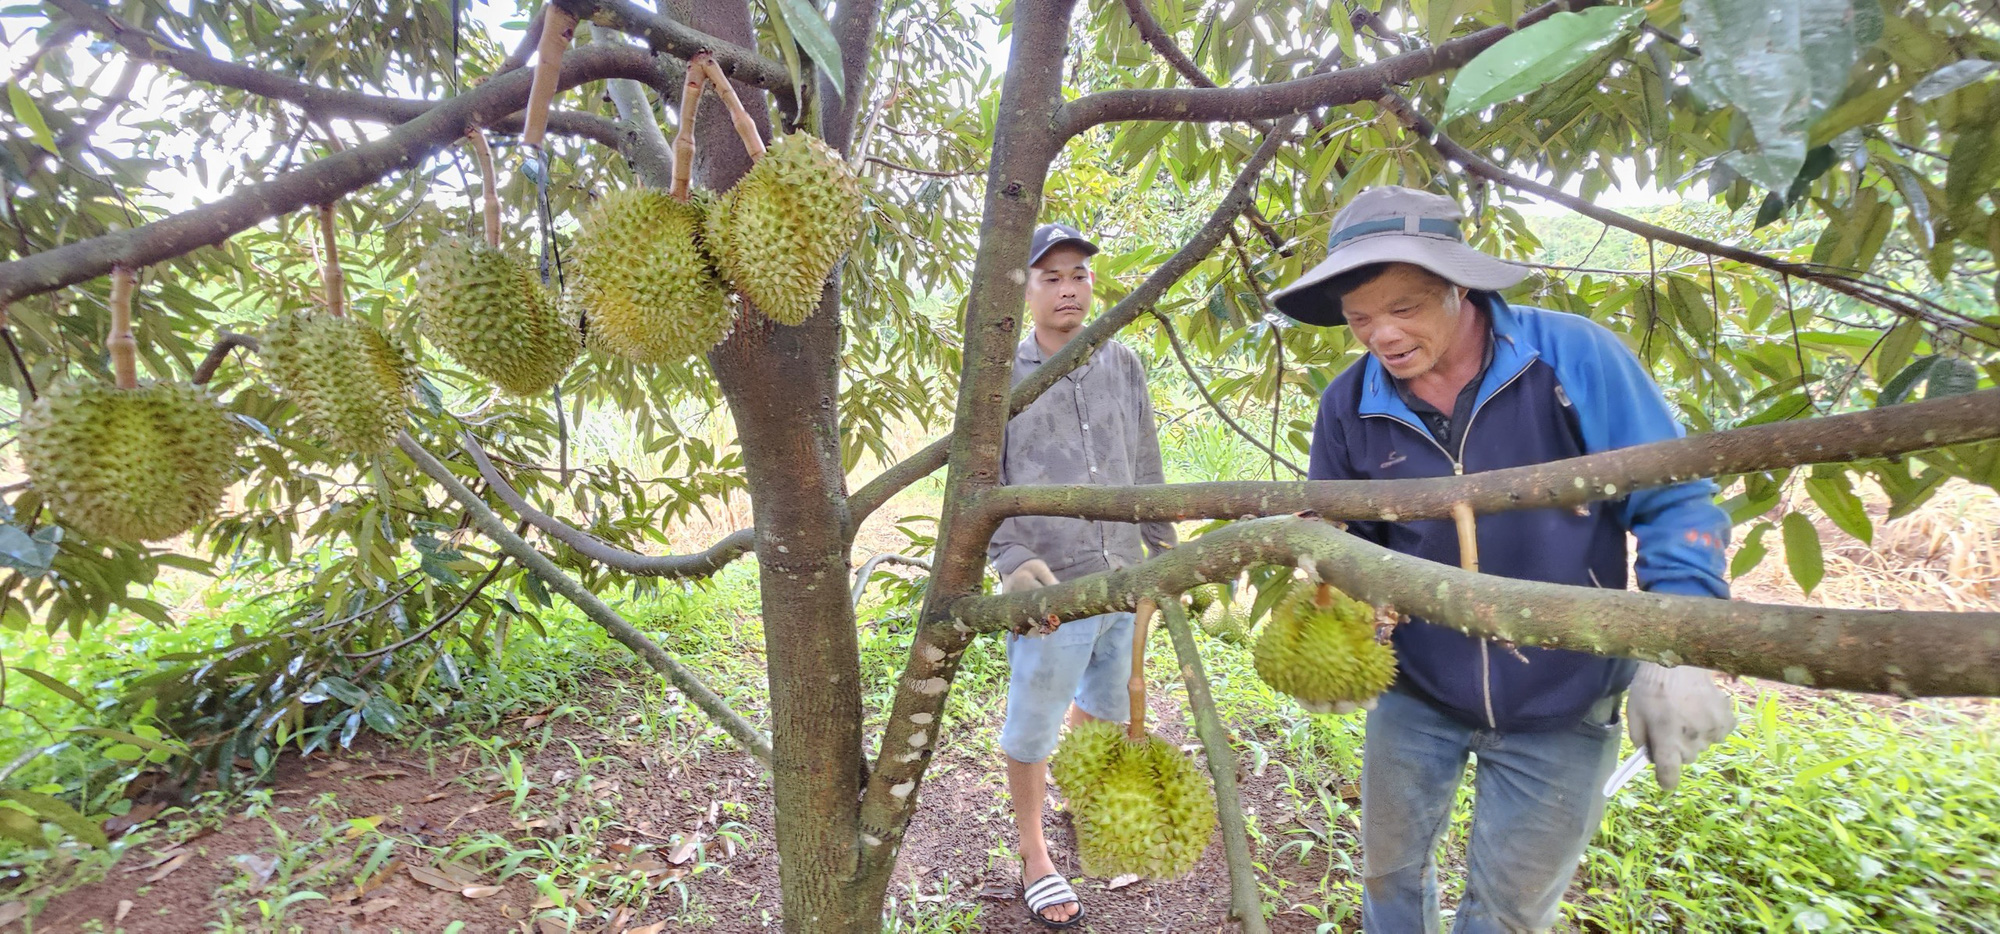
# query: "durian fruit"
{"points": [[647, 287], [489, 311], [1140, 807], [129, 464], [1222, 621], [1319, 646], [777, 234], [350, 381]]}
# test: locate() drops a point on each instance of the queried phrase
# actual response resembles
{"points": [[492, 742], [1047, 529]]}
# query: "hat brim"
{"points": [[1307, 302], [1089, 249]]}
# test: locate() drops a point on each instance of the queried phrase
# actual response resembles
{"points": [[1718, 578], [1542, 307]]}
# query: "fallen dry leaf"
{"points": [[552, 926], [433, 878], [459, 872], [139, 814], [654, 928], [997, 890], [124, 908], [689, 846], [259, 867], [435, 796], [536, 824], [479, 891], [160, 858], [384, 774], [1121, 881], [168, 868], [620, 919], [13, 911]]}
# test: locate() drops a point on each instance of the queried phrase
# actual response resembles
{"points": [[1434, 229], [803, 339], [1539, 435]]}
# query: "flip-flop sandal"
{"points": [[1048, 892]]}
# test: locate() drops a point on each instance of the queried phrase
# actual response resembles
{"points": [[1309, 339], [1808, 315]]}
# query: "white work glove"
{"points": [[1032, 573], [1674, 714]]}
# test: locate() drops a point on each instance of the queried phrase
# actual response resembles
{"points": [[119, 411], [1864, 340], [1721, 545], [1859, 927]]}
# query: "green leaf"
{"points": [[1897, 347], [1950, 78], [1975, 163], [1527, 60], [809, 28], [56, 812], [1836, 498], [30, 116], [342, 690], [1899, 386], [54, 685], [1751, 553], [1802, 552]]}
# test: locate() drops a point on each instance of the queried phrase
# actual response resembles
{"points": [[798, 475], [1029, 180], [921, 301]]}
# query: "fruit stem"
{"points": [[697, 78], [557, 28], [334, 284], [1468, 537], [1142, 617], [490, 195], [746, 128], [124, 348], [1243, 898]]}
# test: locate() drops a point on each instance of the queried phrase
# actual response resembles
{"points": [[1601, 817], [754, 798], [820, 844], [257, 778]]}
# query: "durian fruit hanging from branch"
{"points": [[1140, 806], [128, 462], [488, 310], [350, 381], [1319, 646], [778, 233]]}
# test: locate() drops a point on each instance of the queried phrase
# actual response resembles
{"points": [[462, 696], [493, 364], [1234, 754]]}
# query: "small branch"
{"points": [[331, 280], [868, 568], [558, 27], [1265, 102], [1180, 354], [603, 615], [701, 564], [20, 362], [229, 341], [1244, 901], [1885, 432], [1911, 654], [448, 615], [123, 347], [664, 34], [961, 173], [1163, 44], [120, 93], [746, 128], [529, 42], [482, 153], [1479, 166], [697, 78]]}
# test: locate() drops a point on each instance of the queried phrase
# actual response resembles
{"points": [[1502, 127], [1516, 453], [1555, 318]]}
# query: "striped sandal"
{"points": [[1048, 892]]}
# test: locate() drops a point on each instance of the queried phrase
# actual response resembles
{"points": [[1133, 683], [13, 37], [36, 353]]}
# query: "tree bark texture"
{"points": [[1880, 651], [1024, 145], [1885, 432]]}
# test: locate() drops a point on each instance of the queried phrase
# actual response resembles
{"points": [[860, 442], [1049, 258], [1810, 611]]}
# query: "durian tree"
{"points": [[404, 282]]}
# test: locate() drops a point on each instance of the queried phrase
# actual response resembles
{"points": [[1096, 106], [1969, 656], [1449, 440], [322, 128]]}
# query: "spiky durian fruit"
{"points": [[350, 381], [1222, 621], [129, 464], [489, 311], [648, 289], [777, 234], [1140, 807], [1319, 646]]}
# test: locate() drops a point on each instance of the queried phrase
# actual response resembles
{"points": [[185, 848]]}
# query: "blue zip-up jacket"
{"points": [[1559, 386]]}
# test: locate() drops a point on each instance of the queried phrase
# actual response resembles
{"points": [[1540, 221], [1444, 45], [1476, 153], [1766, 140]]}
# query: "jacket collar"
{"points": [[1029, 351], [1511, 354]]}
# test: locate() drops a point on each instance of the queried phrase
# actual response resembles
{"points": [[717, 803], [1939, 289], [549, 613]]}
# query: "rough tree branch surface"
{"points": [[1883, 432], [1881, 651]]}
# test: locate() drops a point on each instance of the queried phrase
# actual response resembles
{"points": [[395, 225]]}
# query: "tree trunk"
{"points": [[782, 384]]}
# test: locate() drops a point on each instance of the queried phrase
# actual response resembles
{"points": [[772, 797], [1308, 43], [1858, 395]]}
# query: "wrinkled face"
{"points": [[1059, 290], [1407, 317]]}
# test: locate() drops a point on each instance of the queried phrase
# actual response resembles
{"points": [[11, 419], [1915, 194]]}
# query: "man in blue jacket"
{"points": [[1457, 381]]}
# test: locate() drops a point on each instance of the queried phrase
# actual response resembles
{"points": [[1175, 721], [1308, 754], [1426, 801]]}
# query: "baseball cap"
{"points": [[1390, 224], [1050, 236]]}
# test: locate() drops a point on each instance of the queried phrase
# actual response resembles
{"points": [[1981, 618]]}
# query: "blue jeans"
{"points": [[1085, 660], [1537, 798]]}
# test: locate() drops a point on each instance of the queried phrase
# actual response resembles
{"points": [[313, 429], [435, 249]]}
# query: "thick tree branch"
{"points": [[1886, 432], [596, 549], [1480, 166], [1904, 653], [659, 659], [229, 341], [1164, 45], [663, 33], [1265, 102], [405, 147]]}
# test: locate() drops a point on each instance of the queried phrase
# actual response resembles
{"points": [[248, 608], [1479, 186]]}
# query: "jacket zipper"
{"points": [[1458, 470]]}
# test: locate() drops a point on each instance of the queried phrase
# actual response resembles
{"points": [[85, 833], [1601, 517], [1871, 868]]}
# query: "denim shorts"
{"points": [[1087, 661]]}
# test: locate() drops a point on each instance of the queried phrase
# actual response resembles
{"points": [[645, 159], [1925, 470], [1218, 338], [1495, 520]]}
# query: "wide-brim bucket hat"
{"points": [[1389, 224]]}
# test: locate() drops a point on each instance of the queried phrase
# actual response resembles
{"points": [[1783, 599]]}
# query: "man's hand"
{"points": [[1032, 573], [1339, 708], [1674, 714]]}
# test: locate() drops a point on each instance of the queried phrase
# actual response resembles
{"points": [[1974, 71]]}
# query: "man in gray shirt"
{"points": [[1094, 426]]}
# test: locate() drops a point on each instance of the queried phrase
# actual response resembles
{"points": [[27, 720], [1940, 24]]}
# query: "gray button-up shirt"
{"points": [[1095, 425]]}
